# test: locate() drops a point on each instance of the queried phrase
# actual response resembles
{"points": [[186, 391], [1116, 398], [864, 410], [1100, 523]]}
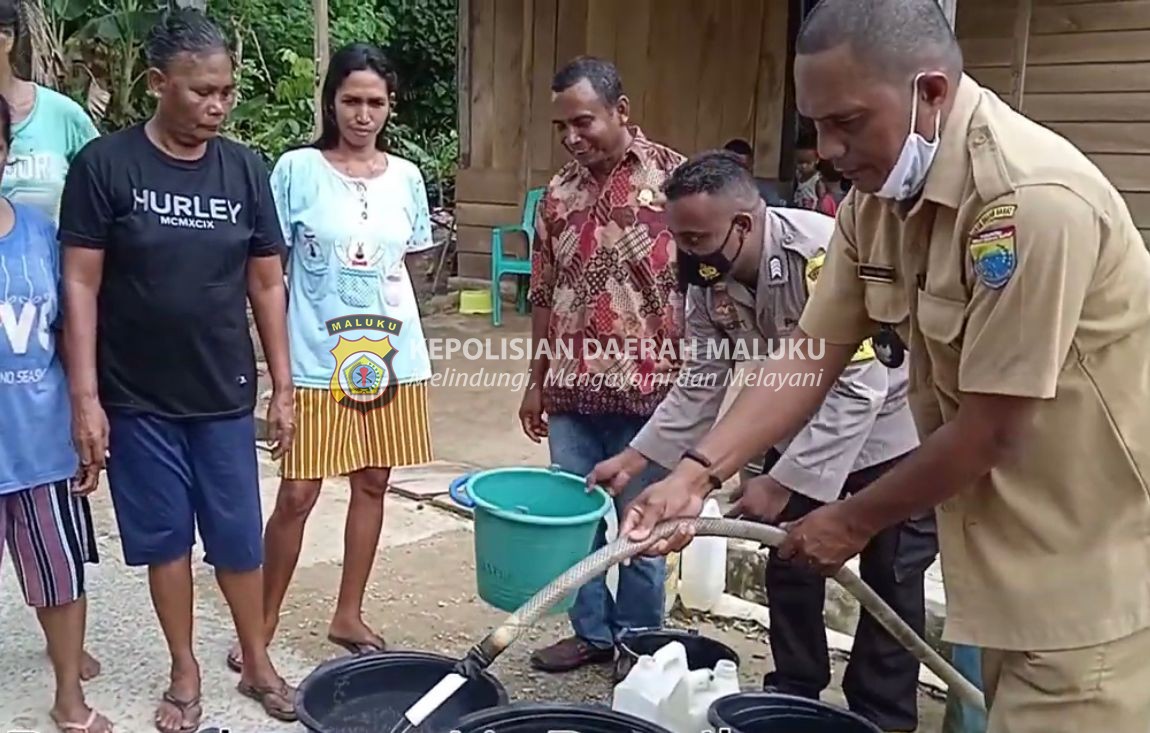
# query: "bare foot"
{"points": [[89, 667], [179, 711]]}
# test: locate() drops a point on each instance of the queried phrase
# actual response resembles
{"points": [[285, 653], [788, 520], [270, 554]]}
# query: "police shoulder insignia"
{"points": [[814, 268], [991, 214], [993, 256]]}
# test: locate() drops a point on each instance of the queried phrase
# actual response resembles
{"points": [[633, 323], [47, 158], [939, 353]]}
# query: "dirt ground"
{"points": [[422, 594]]}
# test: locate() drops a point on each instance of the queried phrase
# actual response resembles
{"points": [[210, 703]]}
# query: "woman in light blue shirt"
{"points": [[49, 129], [351, 212]]}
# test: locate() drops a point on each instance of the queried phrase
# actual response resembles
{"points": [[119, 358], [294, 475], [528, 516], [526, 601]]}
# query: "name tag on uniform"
{"points": [[875, 273]]}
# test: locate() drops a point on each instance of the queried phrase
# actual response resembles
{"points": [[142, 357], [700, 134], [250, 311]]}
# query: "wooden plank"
{"points": [[1126, 15], [982, 51], [475, 239], [487, 215], [660, 101], [463, 81], [570, 41], [996, 78], [1128, 173], [1080, 48], [1071, 78], [537, 177], [488, 185], [601, 17], [483, 124], [1108, 107], [526, 71], [632, 30], [1139, 205], [1063, 48], [1106, 137], [993, 20], [683, 59], [771, 88], [717, 26], [471, 264], [508, 136], [1021, 43], [540, 133], [739, 80]]}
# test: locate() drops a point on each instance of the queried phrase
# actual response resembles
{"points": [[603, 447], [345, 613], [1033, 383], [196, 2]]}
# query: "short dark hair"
{"points": [[892, 37], [599, 73], [186, 30], [739, 146], [712, 172]]}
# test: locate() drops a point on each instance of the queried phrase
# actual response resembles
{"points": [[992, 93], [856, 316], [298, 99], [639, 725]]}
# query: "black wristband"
{"points": [[692, 455]]}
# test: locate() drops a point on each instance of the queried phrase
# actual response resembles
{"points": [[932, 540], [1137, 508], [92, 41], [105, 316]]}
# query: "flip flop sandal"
{"points": [[359, 648], [277, 702], [94, 718], [183, 706]]}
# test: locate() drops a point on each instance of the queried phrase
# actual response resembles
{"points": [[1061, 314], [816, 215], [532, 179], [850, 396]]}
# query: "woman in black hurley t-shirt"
{"points": [[168, 229]]}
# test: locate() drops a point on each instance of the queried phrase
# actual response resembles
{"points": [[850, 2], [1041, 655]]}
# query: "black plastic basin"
{"points": [[761, 712], [536, 717], [369, 694], [702, 653]]}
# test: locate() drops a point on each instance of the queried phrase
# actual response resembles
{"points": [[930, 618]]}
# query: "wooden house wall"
{"points": [[697, 74], [1087, 76]]}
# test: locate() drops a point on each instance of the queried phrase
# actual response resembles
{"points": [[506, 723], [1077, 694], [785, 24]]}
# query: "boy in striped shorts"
{"points": [[45, 520]]}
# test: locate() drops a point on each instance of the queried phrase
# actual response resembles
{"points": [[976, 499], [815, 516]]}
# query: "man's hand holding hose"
{"points": [[760, 417]]}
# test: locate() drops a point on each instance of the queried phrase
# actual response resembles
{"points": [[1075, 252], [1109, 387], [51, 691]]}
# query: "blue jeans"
{"points": [[577, 443]]}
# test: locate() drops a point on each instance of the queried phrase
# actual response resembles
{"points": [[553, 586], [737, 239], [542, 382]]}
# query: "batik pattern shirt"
{"points": [[604, 263]]}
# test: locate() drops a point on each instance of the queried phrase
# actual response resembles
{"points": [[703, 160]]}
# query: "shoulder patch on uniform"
{"points": [[992, 214], [993, 256], [814, 267], [775, 266]]}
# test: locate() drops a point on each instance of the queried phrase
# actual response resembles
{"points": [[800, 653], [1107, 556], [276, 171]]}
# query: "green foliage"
{"points": [[423, 47], [96, 55]]}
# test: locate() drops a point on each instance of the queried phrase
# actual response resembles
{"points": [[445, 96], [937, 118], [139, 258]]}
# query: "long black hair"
{"points": [[5, 122], [344, 62]]}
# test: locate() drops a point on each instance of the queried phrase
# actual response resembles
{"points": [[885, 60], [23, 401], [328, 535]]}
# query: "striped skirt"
{"points": [[332, 440]]}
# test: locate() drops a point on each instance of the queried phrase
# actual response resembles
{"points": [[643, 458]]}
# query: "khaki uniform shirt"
{"points": [[1018, 272], [865, 419]]}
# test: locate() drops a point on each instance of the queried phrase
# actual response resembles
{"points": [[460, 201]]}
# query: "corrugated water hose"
{"points": [[485, 652]]}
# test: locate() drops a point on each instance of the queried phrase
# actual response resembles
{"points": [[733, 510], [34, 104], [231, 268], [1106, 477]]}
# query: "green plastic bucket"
{"points": [[531, 525]]}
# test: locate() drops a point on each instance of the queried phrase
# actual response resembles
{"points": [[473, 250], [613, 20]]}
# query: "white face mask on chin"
{"points": [[909, 173]]}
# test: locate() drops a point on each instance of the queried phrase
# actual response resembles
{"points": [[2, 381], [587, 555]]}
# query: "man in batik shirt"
{"points": [[607, 318]]}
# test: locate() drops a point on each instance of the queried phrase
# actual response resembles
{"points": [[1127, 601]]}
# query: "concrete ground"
{"points": [[421, 594]]}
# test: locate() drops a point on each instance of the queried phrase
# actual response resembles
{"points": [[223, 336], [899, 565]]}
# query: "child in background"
{"points": [[811, 192]]}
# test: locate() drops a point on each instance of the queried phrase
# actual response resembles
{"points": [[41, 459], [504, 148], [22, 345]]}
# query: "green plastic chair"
{"points": [[503, 264]]}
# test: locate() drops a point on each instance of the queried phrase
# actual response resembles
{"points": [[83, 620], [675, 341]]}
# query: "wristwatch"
{"points": [[702, 460]]}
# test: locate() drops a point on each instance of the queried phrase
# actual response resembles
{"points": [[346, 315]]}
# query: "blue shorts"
{"points": [[167, 477]]}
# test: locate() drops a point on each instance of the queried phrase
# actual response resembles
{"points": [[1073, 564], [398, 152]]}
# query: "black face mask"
{"points": [[706, 270]]}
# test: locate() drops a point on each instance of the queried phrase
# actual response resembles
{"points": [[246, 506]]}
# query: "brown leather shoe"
{"points": [[570, 654]]}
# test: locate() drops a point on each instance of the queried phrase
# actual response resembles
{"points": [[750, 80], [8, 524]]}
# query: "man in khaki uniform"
{"points": [[1013, 270], [748, 270]]}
